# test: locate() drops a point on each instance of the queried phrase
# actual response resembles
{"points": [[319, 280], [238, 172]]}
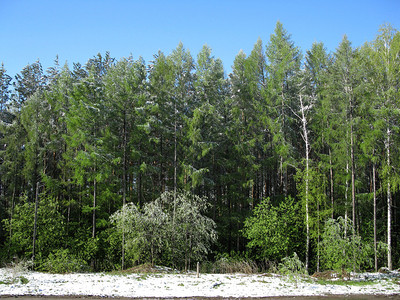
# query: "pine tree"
{"points": [[343, 82], [124, 94], [183, 100], [161, 85], [28, 82], [5, 93], [387, 66], [204, 130], [312, 92], [283, 62]]}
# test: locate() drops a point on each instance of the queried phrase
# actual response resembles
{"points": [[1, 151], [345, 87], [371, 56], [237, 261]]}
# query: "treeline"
{"points": [[315, 134]]}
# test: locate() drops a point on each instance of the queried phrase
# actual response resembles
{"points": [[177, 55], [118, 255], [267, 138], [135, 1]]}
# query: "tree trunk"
{"points": [[389, 202], [175, 164], [35, 222], [374, 192], [13, 204], [353, 188], [331, 181], [307, 146], [94, 209], [124, 171], [346, 196]]}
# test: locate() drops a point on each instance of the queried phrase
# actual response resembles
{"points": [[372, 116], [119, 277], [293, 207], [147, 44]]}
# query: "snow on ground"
{"points": [[181, 285]]}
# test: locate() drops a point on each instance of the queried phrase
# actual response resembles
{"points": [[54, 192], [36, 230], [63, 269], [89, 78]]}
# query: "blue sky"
{"points": [[77, 30]]}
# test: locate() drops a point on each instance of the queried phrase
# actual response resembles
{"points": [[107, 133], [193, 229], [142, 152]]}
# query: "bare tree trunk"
{"points": [[124, 171], [307, 146], [331, 180], [175, 182], [175, 164], [389, 202], [318, 238], [35, 222], [94, 209], [353, 188], [374, 192], [346, 200], [12, 205]]}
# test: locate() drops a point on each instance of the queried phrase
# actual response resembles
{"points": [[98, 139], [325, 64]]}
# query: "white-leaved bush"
{"points": [[172, 230]]}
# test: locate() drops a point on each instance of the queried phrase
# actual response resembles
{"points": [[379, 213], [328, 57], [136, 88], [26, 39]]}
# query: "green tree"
{"points": [[372, 133], [28, 82], [50, 229], [204, 127], [342, 134], [339, 242], [86, 156], [283, 63], [35, 117], [12, 164], [125, 91], [386, 64], [317, 63], [161, 85], [311, 94], [183, 101], [5, 93], [273, 230], [5, 118]]}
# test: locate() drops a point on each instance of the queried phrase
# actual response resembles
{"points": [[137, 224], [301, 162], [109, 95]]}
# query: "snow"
{"points": [[162, 285]]}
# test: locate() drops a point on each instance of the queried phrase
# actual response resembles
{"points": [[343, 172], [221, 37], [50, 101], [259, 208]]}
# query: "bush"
{"points": [[272, 230], [61, 261], [342, 249], [232, 263], [292, 265], [50, 229], [171, 230]]}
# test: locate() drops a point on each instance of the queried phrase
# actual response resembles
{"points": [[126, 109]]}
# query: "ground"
{"points": [[166, 285]]}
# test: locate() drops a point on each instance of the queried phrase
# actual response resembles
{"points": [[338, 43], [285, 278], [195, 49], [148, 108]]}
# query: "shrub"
{"points": [[61, 261], [224, 266], [172, 229], [273, 229], [341, 248], [292, 265]]}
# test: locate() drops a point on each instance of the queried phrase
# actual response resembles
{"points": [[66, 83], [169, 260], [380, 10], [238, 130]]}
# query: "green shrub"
{"points": [[292, 265], [272, 230], [342, 249], [23, 280], [61, 261]]}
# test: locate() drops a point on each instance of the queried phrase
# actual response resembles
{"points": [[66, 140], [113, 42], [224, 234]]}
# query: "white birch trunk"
{"points": [[389, 202], [375, 239], [307, 146]]}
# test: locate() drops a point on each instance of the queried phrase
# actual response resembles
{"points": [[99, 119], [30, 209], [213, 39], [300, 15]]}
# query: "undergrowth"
{"points": [[346, 282]]}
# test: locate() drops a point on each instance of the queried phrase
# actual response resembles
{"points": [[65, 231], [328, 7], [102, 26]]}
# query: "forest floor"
{"points": [[176, 285]]}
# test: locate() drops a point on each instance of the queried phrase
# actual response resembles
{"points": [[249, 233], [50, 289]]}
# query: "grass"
{"points": [[20, 279], [345, 282], [142, 277]]}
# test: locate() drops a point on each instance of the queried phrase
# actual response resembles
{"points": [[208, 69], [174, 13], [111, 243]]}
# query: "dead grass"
{"points": [[223, 266], [325, 275]]}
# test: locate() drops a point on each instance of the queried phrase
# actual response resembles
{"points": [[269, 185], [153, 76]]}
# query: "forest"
{"points": [[116, 163]]}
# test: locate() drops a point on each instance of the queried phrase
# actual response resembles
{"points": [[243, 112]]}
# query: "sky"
{"points": [[76, 30]]}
